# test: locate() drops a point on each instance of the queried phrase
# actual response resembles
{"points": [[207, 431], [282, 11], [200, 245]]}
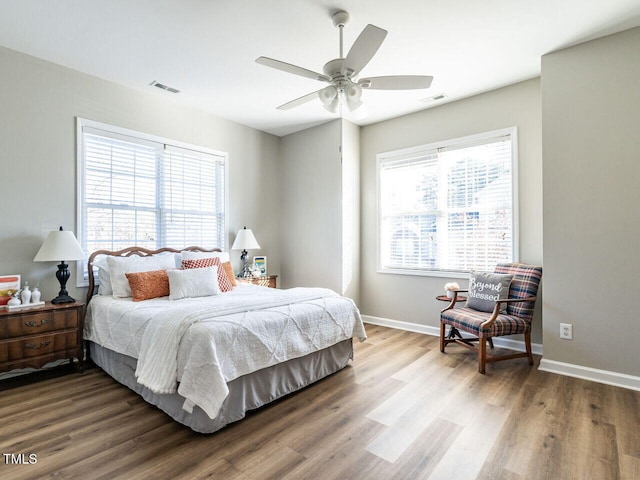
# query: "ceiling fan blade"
{"points": [[287, 67], [396, 82], [363, 49], [300, 101]]}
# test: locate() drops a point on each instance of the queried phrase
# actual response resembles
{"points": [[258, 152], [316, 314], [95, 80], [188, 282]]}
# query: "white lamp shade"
{"points": [[58, 246], [245, 240]]}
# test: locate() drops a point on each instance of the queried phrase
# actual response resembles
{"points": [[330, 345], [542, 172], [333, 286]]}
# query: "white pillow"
{"points": [[188, 255], [104, 278], [193, 282], [118, 266]]}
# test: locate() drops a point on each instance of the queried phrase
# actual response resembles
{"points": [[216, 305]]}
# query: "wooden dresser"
{"points": [[32, 337]]}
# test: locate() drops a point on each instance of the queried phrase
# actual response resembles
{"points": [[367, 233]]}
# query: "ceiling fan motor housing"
{"points": [[340, 18], [333, 69]]}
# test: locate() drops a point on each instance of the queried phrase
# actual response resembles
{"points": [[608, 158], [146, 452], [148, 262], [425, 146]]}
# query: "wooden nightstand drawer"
{"points": [[40, 322], [36, 345], [266, 281], [34, 336]]}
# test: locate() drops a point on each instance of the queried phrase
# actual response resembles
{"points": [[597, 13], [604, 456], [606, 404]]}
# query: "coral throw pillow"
{"points": [[229, 269], [223, 279], [146, 285]]}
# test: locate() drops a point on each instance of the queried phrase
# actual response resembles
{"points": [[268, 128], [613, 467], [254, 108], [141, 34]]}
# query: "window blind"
{"points": [[448, 207], [148, 192], [193, 197]]}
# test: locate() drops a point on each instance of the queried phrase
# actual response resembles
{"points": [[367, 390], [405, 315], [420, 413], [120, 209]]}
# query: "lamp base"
{"points": [[245, 268], [63, 275], [63, 299]]}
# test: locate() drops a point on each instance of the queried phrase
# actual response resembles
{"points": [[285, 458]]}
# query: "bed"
{"points": [[206, 360]]}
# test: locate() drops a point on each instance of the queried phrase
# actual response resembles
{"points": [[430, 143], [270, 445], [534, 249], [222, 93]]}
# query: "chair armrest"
{"points": [[496, 308], [453, 300], [514, 300]]}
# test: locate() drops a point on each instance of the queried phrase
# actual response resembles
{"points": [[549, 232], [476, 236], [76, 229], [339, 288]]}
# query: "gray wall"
{"points": [[409, 298], [321, 208], [590, 114], [39, 103], [350, 145], [311, 203]]}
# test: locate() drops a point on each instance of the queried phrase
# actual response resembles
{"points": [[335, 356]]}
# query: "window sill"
{"points": [[424, 273]]}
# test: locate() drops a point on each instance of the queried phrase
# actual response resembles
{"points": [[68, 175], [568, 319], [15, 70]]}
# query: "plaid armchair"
{"points": [[484, 326]]}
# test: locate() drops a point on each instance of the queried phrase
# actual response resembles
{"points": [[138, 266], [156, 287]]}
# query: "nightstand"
{"points": [[34, 336], [266, 281]]}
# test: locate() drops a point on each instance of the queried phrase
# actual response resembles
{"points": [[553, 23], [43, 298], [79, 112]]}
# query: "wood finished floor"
{"points": [[401, 410]]}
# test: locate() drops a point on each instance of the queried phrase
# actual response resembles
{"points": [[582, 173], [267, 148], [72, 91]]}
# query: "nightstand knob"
{"points": [[31, 323], [33, 346]]}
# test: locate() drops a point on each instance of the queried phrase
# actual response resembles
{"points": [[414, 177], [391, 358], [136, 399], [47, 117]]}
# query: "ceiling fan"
{"points": [[341, 73]]}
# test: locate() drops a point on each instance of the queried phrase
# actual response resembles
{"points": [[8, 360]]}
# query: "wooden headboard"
{"points": [[127, 252]]}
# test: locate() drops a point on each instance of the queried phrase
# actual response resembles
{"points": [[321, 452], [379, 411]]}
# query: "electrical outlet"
{"points": [[566, 331]]}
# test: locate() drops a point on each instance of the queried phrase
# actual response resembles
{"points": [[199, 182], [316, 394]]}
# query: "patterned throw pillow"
{"points": [[486, 288], [223, 279], [146, 285]]}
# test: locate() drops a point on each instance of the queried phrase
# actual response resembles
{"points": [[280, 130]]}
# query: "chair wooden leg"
{"points": [[527, 344], [442, 332], [482, 354], [490, 339]]}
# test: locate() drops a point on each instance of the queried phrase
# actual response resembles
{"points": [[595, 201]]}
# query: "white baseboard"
{"points": [[568, 369], [593, 374], [511, 344]]}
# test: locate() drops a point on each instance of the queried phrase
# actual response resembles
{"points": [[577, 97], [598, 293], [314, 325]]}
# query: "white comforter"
{"points": [[198, 345]]}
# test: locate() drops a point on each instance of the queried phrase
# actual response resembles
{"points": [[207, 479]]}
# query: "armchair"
{"points": [[484, 326]]}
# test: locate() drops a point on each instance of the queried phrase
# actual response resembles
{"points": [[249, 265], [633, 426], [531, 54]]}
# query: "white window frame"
{"points": [[423, 150], [139, 137]]}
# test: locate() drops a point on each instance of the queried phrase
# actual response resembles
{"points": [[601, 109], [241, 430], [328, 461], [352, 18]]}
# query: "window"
{"points": [[136, 189], [448, 207]]}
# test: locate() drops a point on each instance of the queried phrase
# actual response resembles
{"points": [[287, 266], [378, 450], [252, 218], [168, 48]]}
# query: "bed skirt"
{"points": [[245, 393]]}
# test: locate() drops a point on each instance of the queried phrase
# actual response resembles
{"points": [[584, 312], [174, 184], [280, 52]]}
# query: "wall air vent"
{"points": [[435, 98], [164, 87]]}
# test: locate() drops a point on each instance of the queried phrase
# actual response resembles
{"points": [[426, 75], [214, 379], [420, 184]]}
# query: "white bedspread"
{"points": [[204, 343]]}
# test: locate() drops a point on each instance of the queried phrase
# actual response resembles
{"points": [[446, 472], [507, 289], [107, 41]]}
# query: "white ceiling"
{"points": [[207, 48]]}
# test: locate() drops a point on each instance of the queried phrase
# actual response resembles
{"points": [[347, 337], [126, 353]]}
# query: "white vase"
{"points": [[13, 301], [450, 293], [35, 295], [25, 296]]}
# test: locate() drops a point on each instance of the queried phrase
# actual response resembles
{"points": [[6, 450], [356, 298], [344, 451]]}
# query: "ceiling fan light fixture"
{"points": [[328, 94], [329, 98], [352, 96], [334, 105]]}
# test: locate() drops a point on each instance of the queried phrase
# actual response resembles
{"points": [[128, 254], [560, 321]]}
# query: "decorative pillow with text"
{"points": [[486, 288]]}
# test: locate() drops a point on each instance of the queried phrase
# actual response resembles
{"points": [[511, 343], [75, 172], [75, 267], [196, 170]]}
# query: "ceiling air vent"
{"points": [[435, 98], [164, 87]]}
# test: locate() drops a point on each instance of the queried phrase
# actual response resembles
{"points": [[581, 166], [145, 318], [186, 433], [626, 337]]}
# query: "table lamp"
{"points": [[245, 241], [61, 244]]}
